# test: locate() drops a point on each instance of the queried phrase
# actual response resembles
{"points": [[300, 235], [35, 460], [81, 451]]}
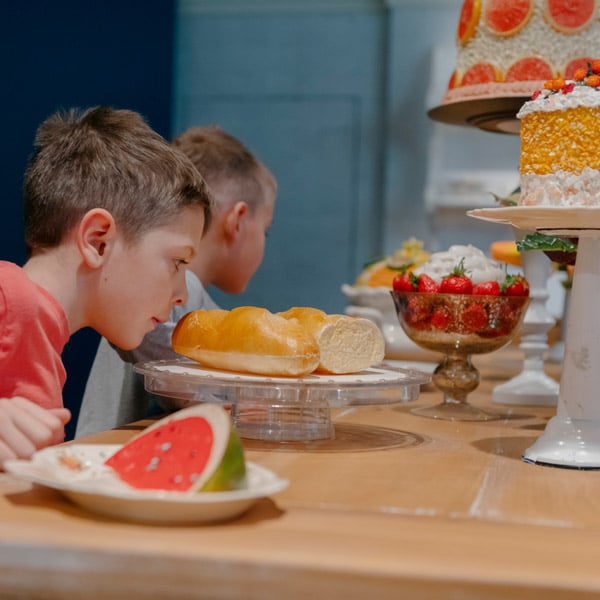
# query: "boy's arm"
{"points": [[26, 427]]}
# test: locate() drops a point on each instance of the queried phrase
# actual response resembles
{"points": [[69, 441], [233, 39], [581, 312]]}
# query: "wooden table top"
{"points": [[395, 506]]}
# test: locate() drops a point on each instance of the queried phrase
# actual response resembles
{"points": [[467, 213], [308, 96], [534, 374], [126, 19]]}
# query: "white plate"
{"points": [[542, 217], [95, 487]]}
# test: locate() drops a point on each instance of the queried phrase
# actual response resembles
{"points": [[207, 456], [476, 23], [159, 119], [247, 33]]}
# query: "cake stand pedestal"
{"points": [[532, 385], [279, 409], [572, 437]]}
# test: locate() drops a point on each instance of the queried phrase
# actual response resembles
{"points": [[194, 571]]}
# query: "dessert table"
{"points": [[395, 506]]}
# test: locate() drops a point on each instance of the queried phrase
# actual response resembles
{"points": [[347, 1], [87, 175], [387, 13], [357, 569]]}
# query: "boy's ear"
{"points": [[234, 217], [95, 233]]}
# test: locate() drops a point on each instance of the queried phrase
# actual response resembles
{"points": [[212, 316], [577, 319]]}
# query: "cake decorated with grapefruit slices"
{"points": [[510, 47], [559, 162]]}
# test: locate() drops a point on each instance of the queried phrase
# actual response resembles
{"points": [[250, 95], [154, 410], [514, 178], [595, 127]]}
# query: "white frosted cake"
{"points": [[560, 125]]}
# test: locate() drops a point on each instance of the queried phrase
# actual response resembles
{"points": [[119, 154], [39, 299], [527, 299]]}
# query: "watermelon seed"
{"points": [[153, 464], [166, 446]]}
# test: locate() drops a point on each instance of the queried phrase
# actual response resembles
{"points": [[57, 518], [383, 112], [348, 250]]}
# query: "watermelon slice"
{"points": [[193, 450]]}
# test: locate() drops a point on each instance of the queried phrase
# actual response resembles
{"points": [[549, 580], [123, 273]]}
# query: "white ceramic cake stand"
{"points": [[572, 437], [532, 385]]}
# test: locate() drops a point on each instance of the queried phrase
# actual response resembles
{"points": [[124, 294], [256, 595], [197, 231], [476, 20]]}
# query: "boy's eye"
{"points": [[180, 262]]}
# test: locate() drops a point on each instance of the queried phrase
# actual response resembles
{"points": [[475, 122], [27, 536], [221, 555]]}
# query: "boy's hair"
{"points": [[105, 158], [220, 157]]}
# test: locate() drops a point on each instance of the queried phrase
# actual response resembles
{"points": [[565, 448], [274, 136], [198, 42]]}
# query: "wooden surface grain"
{"points": [[395, 506]]}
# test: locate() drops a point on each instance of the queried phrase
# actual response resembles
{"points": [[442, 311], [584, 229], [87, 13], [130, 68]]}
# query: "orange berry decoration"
{"points": [[580, 74], [593, 81], [595, 66]]}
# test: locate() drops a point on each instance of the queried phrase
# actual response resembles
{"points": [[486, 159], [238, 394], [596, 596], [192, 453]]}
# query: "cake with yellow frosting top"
{"points": [[560, 162]]}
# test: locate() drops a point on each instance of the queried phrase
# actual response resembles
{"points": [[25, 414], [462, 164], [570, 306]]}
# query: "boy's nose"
{"points": [[181, 293]]}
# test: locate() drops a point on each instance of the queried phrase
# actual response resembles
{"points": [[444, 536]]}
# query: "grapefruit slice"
{"points": [[468, 20], [193, 450], [507, 17], [454, 80], [530, 68], [569, 16], [481, 73]]}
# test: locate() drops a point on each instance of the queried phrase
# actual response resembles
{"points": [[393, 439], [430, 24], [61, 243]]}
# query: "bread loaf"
{"points": [[346, 344], [247, 339]]}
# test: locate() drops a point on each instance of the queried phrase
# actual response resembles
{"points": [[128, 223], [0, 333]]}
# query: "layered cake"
{"points": [[560, 162], [510, 47]]}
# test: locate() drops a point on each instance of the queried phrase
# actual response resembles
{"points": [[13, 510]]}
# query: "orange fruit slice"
{"points": [[481, 73], [505, 251], [529, 69], [454, 80], [507, 17], [569, 16], [468, 20], [577, 63]]}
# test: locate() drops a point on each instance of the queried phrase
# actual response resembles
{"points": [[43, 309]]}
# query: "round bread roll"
{"points": [[247, 339], [346, 344]]}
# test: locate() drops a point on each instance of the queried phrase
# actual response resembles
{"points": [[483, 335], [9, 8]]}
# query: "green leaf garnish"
{"points": [[540, 241]]}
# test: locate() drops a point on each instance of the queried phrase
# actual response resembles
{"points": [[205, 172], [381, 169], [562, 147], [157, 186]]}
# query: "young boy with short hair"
{"points": [[244, 193], [112, 216]]}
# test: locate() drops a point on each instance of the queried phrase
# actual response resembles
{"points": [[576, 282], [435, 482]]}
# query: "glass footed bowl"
{"points": [[458, 326]]}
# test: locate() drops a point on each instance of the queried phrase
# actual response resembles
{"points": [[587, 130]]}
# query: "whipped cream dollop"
{"points": [[550, 101], [476, 264]]}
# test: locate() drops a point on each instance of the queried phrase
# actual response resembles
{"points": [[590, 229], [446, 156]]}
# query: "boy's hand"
{"points": [[26, 427]]}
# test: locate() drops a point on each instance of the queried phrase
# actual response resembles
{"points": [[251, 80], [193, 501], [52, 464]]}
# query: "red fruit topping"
{"points": [[441, 318], [474, 317], [427, 284], [417, 313], [457, 282], [405, 282], [487, 288], [515, 285]]}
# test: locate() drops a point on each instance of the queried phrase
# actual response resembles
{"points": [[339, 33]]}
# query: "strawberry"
{"points": [[487, 288], [457, 282], [475, 317], [441, 318], [515, 285], [405, 282], [427, 284], [417, 313]]}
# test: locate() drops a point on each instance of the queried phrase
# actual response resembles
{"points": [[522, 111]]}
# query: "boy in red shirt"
{"points": [[112, 215]]}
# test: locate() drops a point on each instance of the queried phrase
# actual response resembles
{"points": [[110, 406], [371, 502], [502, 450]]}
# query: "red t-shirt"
{"points": [[33, 334]]}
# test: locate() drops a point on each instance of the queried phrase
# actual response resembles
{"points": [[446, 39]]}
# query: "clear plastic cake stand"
{"points": [[532, 385], [572, 437], [279, 408]]}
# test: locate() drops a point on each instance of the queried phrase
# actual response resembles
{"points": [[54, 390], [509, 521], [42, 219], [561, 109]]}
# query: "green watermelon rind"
{"points": [[231, 472]]}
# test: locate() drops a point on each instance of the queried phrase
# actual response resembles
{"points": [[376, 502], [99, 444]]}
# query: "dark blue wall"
{"points": [[70, 53]]}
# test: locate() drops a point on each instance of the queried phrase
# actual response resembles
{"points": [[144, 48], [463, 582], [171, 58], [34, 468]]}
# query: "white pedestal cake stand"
{"points": [[572, 437], [532, 385]]}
